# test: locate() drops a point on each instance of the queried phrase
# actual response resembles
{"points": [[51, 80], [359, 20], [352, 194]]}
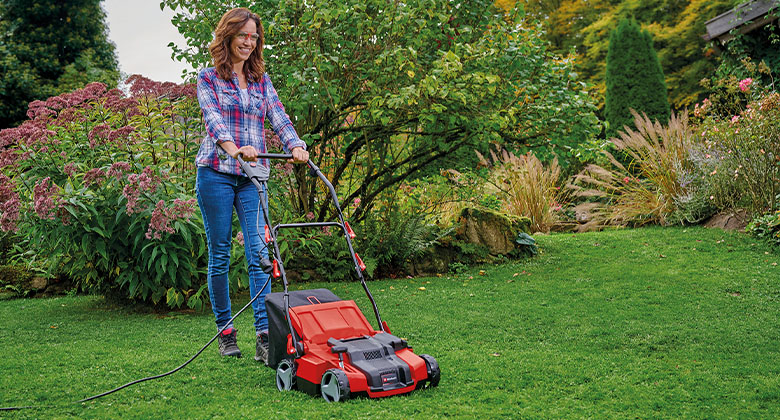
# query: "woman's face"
{"points": [[243, 44]]}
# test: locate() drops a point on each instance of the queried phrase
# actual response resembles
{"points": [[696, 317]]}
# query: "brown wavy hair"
{"points": [[229, 25]]}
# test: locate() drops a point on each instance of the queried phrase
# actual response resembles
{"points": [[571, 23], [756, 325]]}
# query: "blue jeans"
{"points": [[218, 194]]}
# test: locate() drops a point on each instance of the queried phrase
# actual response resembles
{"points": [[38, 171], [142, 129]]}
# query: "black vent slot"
{"points": [[372, 355]]}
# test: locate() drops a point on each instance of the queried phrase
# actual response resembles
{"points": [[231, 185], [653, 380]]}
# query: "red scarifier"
{"points": [[330, 329], [323, 345]]}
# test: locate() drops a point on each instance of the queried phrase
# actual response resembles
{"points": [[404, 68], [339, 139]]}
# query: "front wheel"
{"points": [[335, 385], [432, 366]]}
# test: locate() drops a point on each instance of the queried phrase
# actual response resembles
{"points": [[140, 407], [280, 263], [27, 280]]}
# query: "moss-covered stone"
{"points": [[494, 230], [14, 275], [19, 281], [16, 280], [435, 260]]}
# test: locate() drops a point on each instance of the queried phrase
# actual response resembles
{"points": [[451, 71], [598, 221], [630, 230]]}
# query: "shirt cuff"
{"points": [[297, 143], [221, 140]]}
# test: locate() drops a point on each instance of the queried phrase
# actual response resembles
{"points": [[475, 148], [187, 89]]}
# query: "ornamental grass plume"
{"points": [[657, 177], [527, 188]]}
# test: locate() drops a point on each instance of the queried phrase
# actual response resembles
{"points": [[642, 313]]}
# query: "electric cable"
{"points": [[162, 375]]}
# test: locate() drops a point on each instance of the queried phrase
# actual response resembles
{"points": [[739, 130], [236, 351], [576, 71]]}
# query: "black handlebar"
{"points": [[272, 156], [279, 156], [259, 174]]}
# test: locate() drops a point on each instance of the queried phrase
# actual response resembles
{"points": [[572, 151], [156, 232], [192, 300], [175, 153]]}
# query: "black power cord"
{"points": [[149, 378], [162, 375]]}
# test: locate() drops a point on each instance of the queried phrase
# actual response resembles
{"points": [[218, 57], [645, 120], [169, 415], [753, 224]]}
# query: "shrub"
{"points": [[101, 187], [634, 79], [401, 227], [472, 74], [740, 157], [398, 228], [766, 227], [731, 88]]}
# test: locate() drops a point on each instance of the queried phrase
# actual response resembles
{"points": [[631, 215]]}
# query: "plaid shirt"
{"points": [[229, 119]]}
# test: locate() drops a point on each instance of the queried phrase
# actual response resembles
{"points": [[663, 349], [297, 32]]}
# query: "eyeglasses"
{"points": [[245, 36]]}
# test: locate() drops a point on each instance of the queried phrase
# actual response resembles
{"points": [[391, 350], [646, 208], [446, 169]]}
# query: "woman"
{"points": [[237, 97]]}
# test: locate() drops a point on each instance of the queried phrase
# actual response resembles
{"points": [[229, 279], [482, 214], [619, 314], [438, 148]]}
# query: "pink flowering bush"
{"points": [[734, 85], [100, 185], [740, 157], [739, 124]]}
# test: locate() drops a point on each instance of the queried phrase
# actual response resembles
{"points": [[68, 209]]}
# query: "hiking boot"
{"points": [[261, 353], [228, 346]]}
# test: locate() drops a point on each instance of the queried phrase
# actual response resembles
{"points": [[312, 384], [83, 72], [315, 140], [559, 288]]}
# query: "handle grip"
{"points": [[279, 156], [284, 156]]}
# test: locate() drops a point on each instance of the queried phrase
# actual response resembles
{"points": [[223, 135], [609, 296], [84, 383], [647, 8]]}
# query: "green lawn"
{"points": [[647, 323]]}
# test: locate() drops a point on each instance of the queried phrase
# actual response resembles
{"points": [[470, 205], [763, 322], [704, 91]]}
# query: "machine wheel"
{"points": [[285, 375], [334, 386], [434, 374]]}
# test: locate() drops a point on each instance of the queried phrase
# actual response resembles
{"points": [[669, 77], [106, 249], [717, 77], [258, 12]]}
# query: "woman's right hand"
{"points": [[248, 153]]}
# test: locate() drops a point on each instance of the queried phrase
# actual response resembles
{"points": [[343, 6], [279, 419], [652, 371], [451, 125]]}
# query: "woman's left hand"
{"points": [[300, 155]]}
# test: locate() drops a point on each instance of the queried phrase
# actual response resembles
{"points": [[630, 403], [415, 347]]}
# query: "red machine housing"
{"points": [[343, 320], [320, 343]]}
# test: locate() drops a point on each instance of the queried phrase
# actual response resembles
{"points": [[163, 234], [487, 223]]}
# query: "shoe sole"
{"points": [[262, 358]]}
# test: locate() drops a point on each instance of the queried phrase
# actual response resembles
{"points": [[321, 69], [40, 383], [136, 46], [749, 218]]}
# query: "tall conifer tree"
{"points": [[677, 26], [634, 78], [47, 47]]}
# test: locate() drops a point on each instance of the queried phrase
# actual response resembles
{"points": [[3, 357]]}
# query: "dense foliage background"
{"points": [[48, 48], [384, 92], [422, 113], [583, 26]]}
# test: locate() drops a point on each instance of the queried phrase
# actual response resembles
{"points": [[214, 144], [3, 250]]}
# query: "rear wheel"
{"points": [[285, 375], [434, 374], [334, 386]]}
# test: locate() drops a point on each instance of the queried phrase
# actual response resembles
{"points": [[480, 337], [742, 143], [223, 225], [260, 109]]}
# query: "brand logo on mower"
{"points": [[389, 378]]}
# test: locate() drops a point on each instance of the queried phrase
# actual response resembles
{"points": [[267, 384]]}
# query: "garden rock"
{"points": [[735, 220], [583, 213], [435, 260], [15, 277], [21, 282], [39, 283], [58, 287], [494, 230]]}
